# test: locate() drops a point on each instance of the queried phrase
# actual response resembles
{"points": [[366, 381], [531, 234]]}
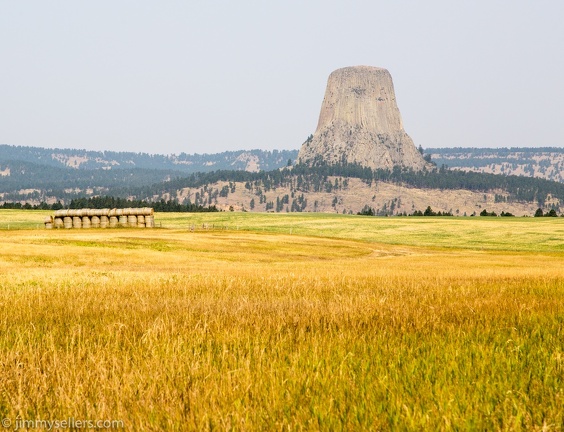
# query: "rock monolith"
{"points": [[360, 123]]}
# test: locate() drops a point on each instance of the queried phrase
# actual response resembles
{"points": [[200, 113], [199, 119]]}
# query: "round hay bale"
{"points": [[104, 212], [140, 219], [104, 221], [119, 212], [67, 222], [77, 222], [123, 221], [86, 222], [113, 221], [127, 211], [59, 222], [150, 221], [48, 221], [91, 212], [132, 220], [61, 213], [95, 220], [112, 212]]}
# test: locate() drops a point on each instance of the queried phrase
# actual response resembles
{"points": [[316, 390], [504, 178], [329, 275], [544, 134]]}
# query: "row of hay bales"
{"points": [[102, 218]]}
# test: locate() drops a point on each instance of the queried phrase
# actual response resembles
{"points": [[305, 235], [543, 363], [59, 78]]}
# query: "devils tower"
{"points": [[360, 123]]}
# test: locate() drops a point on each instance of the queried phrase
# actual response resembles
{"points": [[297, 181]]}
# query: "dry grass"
{"points": [[174, 330]]}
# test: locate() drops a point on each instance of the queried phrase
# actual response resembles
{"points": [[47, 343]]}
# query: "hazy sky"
{"points": [[208, 76]]}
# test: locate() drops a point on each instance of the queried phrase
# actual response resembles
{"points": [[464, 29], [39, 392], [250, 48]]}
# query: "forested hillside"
{"points": [[30, 182], [250, 160], [34, 175], [301, 178]]}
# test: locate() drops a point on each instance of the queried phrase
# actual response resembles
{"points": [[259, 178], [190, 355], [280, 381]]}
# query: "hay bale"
{"points": [[86, 222], [67, 222], [112, 212], [119, 212], [113, 221], [150, 221], [104, 221], [95, 220], [59, 222], [122, 221], [132, 220], [48, 221], [76, 222]]}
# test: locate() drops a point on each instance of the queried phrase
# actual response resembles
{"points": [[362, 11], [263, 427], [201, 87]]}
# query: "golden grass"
{"points": [[260, 329]]}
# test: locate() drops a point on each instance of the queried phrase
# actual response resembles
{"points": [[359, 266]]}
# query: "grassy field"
{"points": [[285, 322]]}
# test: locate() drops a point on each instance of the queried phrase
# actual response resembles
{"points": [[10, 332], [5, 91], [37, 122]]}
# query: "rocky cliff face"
{"points": [[361, 123]]}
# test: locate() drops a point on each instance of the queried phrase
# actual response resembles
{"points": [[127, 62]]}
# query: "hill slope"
{"points": [[350, 188]]}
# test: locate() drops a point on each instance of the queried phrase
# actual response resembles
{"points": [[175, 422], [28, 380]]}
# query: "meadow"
{"points": [[245, 321]]}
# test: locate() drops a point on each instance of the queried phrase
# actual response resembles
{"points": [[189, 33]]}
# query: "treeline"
{"points": [[27, 206], [369, 211], [159, 206], [113, 202], [502, 151]]}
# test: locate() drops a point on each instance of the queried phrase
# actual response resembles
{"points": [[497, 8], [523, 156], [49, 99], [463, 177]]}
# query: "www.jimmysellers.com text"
{"points": [[19, 424]]}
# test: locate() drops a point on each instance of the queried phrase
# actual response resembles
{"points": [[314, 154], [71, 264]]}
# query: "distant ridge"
{"points": [[542, 162], [248, 160]]}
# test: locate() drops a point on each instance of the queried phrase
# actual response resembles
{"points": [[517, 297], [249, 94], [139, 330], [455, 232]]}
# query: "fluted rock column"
{"points": [[360, 123]]}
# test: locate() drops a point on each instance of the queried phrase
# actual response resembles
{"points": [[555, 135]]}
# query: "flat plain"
{"points": [[253, 321]]}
